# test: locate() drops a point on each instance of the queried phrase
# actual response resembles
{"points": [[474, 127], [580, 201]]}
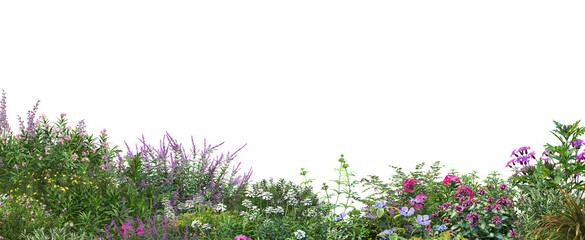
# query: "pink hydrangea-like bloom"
{"points": [[409, 182], [450, 178], [63, 114]]}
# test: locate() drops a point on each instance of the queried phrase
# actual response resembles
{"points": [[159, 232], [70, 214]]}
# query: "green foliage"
{"points": [[53, 234], [566, 223]]}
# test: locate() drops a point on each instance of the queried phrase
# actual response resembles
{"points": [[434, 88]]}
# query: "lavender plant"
{"points": [[171, 173]]}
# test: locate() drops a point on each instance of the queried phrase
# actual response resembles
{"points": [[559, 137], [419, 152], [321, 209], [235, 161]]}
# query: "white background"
{"points": [[302, 82]]}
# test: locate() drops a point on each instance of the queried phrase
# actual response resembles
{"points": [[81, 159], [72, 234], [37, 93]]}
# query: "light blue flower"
{"points": [[423, 220], [440, 227], [380, 204], [385, 232], [341, 216], [405, 211]]}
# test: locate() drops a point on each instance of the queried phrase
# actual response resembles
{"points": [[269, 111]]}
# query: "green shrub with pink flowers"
{"points": [[59, 180]]}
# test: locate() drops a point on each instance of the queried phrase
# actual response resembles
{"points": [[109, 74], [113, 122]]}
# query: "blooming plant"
{"points": [[559, 166], [170, 172]]}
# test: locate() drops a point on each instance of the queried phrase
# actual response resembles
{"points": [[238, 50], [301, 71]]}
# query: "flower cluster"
{"points": [[408, 183], [451, 178], [523, 159]]}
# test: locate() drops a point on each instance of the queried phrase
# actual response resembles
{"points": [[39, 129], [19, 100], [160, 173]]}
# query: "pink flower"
{"points": [[242, 237], [409, 182], [139, 231], [450, 178], [70, 224], [63, 114], [103, 131]]}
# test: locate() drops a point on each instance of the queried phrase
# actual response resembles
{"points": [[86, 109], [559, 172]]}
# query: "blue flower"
{"points": [[385, 232], [380, 204], [415, 200], [440, 227], [404, 211], [341, 216], [423, 220]]}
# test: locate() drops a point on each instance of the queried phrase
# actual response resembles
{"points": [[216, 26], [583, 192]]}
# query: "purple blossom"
{"points": [[577, 143], [503, 186], [581, 157], [496, 220], [513, 233], [514, 153], [341, 216], [81, 128], [473, 217], [4, 126], [523, 149]]}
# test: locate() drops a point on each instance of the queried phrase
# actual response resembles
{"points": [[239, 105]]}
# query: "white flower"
{"points": [[247, 203], [220, 207], [268, 209], [299, 234], [310, 213], [290, 195], [278, 210], [250, 195], [266, 195], [308, 202], [255, 209], [293, 201], [242, 213], [195, 224], [206, 226]]}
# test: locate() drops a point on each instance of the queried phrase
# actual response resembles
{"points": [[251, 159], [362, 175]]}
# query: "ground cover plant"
{"points": [[59, 182]]}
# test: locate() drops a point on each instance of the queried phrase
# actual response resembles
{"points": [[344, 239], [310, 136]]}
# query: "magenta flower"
{"points": [[139, 231], [408, 183], [581, 156], [450, 178], [462, 190], [577, 143], [242, 237]]}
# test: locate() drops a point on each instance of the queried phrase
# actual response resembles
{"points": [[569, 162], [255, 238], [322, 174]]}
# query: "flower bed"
{"points": [[60, 181]]}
